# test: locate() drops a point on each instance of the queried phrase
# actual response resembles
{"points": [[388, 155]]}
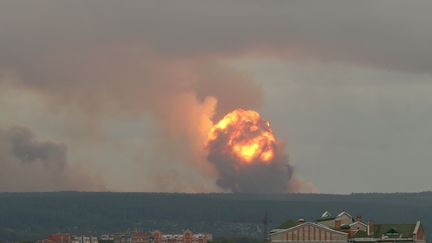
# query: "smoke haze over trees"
{"points": [[28, 216]]}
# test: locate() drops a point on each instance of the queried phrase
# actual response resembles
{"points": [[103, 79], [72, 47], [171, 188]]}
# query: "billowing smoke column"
{"points": [[247, 155], [30, 164]]}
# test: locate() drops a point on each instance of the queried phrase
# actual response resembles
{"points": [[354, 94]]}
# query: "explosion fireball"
{"points": [[249, 138], [247, 155]]}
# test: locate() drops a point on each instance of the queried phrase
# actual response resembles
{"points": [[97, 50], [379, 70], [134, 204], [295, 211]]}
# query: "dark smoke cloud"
{"points": [[255, 176], [261, 178], [28, 164], [27, 149]]}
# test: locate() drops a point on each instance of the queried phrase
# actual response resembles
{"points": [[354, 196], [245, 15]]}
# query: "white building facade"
{"points": [[306, 232]]}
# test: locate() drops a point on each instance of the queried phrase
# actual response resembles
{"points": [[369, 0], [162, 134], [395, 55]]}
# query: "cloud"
{"points": [[29, 164], [388, 34], [342, 118]]}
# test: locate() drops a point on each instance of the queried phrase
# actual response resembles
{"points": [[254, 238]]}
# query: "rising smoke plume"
{"points": [[126, 71], [28, 164], [82, 57], [130, 81], [247, 155]]}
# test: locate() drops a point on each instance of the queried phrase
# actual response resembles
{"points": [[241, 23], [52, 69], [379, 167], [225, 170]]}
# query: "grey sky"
{"points": [[123, 86]]}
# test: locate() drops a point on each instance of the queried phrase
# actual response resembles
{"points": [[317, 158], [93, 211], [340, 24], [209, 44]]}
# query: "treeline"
{"points": [[28, 216]]}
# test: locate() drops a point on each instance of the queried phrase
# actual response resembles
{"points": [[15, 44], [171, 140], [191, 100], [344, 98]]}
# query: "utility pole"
{"points": [[265, 230]]}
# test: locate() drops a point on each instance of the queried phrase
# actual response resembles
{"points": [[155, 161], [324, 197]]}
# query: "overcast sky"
{"points": [[119, 95]]}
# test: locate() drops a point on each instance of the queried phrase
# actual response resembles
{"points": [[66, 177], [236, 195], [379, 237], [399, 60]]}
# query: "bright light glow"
{"points": [[249, 138]]}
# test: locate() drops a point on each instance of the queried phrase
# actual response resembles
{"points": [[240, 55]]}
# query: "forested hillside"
{"points": [[27, 216]]}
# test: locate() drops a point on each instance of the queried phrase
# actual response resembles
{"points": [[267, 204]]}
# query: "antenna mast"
{"points": [[265, 230]]}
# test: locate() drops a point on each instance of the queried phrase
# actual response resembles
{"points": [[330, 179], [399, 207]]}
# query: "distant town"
{"points": [[130, 237], [28, 217], [329, 228]]}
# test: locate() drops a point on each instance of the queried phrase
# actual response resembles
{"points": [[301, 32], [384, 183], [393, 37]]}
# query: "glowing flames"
{"points": [[246, 136], [246, 154]]}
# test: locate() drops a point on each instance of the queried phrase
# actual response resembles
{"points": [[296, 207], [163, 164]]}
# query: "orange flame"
{"points": [[248, 137]]}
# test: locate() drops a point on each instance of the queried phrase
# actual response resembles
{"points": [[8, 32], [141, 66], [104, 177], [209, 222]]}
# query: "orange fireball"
{"points": [[246, 136]]}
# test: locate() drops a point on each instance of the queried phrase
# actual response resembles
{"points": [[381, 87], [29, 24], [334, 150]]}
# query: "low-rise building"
{"points": [[187, 237], [122, 238], [57, 238], [106, 238], [308, 231], [395, 233], [84, 239], [140, 237], [344, 228]]}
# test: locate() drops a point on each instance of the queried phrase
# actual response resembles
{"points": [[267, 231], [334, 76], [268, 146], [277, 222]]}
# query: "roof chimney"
{"points": [[370, 227], [359, 218]]}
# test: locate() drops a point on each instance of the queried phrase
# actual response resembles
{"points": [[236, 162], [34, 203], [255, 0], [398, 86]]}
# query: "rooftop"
{"points": [[394, 230]]}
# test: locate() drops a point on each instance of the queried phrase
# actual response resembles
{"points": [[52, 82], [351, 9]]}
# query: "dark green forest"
{"points": [[29, 216]]}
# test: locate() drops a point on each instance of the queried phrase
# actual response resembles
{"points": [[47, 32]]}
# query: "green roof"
{"points": [[394, 230]]}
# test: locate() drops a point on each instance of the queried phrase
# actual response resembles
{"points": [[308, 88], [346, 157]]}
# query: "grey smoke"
{"points": [[27, 149], [262, 178], [29, 164], [256, 177], [57, 49], [377, 34]]}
